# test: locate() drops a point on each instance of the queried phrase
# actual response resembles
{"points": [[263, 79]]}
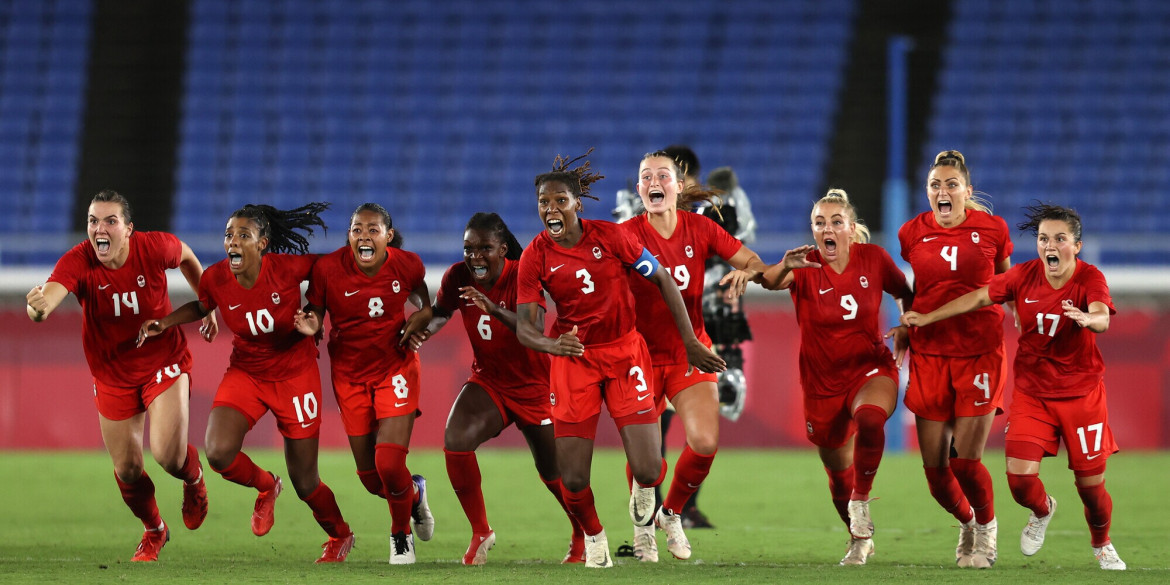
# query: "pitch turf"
{"points": [[62, 520]]}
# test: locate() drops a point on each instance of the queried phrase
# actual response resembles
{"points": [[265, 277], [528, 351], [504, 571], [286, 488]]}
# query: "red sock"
{"points": [[191, 469], [581, 506], [689, 473], [139, 497], [372, 481], [972, 475], [463, 469], [840, 486], [246, 473], [946, 491], [390, 460], [1098, 512], [1028, 491], [557, 488], [326, 512], [867, 452]]}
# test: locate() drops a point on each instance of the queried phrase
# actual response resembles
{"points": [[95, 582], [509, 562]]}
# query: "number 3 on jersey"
{"points": [[587, 280]]}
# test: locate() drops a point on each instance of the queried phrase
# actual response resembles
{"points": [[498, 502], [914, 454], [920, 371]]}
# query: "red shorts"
{"points": [[295, 402], [121, 403], [670, 379], [527, 406], [1082, 422], [363, 404], [616, 372], [828, 420], [944, 387]]}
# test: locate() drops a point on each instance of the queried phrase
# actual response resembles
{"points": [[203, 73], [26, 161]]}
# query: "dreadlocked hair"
{"points": [[280, 226], [577, 180], [1039, 212], [494, 224], [396, 241]]}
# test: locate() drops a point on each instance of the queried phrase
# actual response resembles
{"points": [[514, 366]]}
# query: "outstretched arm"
{"points": [[192, 311], [43, 299], [748, 268], [192, 271], [420, 319], [779, 275], [698, 355], [530, 323], [1096, 320], [965, 304]]}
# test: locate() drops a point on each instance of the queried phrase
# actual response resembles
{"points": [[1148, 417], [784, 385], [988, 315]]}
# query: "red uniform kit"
{"points": [[683, 255], [373, 377], [588, 284], [516, 378], [949, 263], [1059, 372], [116, 303], [841, 344], [272, 366]]}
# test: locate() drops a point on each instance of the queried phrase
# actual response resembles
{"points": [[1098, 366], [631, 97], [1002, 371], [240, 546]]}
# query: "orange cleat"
{"points": [[336, 549], [265, 513], [195, 502], [152, 542], [478, 549], [576, 552]]}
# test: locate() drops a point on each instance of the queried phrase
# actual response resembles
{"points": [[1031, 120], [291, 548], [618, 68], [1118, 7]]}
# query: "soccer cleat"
{"points": [[478, 549], [153, 541], [676, 540], [859, 551], [1032, 538], [860, 525], [265, 512], [966, 546], [336, 549], [984, 555], [401, 548], [420, 513], [693, 517], [642, 505], [597, 550], [645, 545], [576, 552], [195, 502], [1107, 556]]}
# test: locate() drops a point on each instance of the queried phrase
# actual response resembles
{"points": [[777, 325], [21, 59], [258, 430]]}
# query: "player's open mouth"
{"points": [[1053, 260], [365, 253], [103, 245], [235, 259], [479, 272], [944, 206], [657, 197], [555, 226], [830, 245]]}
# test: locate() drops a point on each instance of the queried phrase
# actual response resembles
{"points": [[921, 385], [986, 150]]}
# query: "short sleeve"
{"points": [[205, 297], [316, 294], [1096, 289], [893, 279], [720, 242], [70, 268], [447, 298], [1005, 246], [528, 277], [1002, 287]]}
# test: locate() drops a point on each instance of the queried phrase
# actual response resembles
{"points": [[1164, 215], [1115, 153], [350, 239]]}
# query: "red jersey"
{"points": [[266, 345], [587, 282], [947, 264], [840, 336], [684, 255], [366, 312], [116, 303], [1056, 358], [499, 355]]}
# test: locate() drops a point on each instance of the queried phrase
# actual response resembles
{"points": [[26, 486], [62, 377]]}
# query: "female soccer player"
{"points": [[847, 373], [509, 383], [272, 366], [119, 277], [597, 353], [364, 286], [1062, 302], [681, 241], [957, 369]]}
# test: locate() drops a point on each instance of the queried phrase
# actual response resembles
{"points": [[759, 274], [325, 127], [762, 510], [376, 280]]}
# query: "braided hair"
{"points": [[494, 224], [280, 226], [396, 241], [577, 180]]}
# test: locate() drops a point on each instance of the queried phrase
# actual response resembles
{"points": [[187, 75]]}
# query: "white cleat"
{"points": [[1032, 538], [860, 526], [401, 548], [478, 549], [859, 551], [676, 539], [422, 521], [597, 551], [966, 546], [1107, 556], [985, 545], [645, 545], [642, 504]]}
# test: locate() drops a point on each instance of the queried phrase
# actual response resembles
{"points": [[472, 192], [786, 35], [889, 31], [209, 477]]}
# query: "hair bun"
{"points": [[838, 193], [944, 155]]}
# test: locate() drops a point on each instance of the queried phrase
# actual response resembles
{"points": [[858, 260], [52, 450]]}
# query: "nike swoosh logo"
{"points": [[1027, 300], [1092, 457], [693, 486], [929, 239], [977, 403], [399, 404], [871, 372], [306, 425], [643, 397], [555, 268], [644, 411], [103, 287], [690, 370], [871, 472], [233, 307], [826, 290], [350, 294]]}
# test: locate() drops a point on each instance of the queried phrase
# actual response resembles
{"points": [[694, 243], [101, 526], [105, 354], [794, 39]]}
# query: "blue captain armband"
{"points": [[646, 264]]}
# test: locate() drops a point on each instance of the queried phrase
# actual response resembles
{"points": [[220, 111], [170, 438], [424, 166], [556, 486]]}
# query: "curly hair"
{"points": [[494, 224], [396, 241], [281, 226], [577, 180]]}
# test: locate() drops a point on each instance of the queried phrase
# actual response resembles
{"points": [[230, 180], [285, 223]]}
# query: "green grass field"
{"points": [[63, 521]]}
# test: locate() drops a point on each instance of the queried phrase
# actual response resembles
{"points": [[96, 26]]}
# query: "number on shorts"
{"points": [[1096, 429], [261, 323], [401, 390], [982, 382], [484, 327], [637, 372], [306, 407], [849, 304], [376, 307], [129, 299], [1040, 317], [172, 371]]}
